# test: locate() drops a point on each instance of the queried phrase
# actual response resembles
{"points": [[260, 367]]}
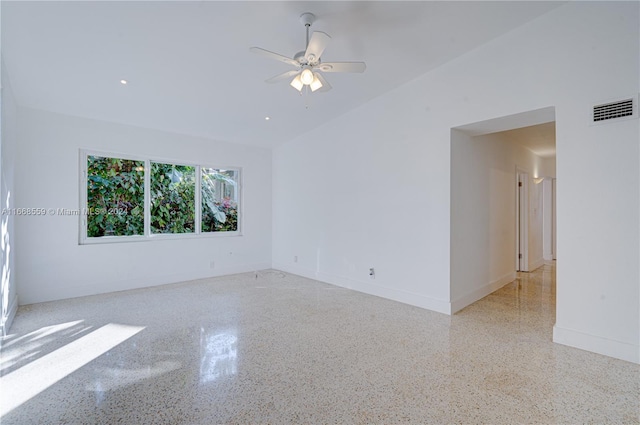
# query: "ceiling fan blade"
{"points": [[317, 44], [325, 85], [341, 67], [272, 55], [282, 77]]}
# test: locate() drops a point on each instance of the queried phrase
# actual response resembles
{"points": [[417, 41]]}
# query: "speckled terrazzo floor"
{"points": [[283, 349]]}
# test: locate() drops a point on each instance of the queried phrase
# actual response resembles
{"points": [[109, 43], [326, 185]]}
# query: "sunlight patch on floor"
{"points": [[28, 381], [21, 348]]}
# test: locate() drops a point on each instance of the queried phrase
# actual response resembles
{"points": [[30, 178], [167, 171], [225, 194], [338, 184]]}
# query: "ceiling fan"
{"points": [[308, 64]]}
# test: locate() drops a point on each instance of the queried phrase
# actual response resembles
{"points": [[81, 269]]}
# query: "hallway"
{"points": [[270, 347]]}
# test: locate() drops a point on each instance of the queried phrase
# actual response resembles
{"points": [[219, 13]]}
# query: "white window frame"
{"points": [[148, 236], [238, 195]]}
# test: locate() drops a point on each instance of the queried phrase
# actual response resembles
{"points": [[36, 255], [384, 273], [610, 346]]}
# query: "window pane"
{"points": [[172, 198], [115, 197], [219, 200]]}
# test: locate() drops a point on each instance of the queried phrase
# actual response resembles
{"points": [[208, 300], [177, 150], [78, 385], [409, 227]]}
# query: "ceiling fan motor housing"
{"points": [[307, 19], [300, 58]]}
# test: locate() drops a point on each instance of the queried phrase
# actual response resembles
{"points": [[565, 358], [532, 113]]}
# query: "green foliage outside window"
{"points": [[172, 198], [219, 207], [115, 197]]}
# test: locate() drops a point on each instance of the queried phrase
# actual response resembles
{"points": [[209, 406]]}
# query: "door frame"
{"points": [[553, 219], [522, 220]]}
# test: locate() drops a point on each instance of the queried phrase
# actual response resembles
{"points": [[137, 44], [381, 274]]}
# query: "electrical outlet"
{"points": [[212, 264], [372, 273], [295, 258]]}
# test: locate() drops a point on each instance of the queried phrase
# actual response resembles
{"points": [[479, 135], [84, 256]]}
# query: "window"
{"points": [[138, 199], [115, 197], [173, 204], [219, 200]]}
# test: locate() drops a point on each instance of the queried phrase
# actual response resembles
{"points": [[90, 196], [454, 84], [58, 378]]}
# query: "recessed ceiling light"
{"points": [[123, 82], [267, 118]]}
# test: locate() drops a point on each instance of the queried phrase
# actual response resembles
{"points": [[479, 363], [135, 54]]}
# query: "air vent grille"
{"points": [[609, 111]]}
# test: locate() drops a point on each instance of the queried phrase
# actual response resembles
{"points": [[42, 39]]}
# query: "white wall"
{"points": [[483, 214], [8, 141], [52, 265], [372, 188], [547, 167], [357, 194], [547, 219]]}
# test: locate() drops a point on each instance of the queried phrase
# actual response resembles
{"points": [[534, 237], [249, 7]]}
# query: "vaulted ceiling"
{"points": [[190, 71]]}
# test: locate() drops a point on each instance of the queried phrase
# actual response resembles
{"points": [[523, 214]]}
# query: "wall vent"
{"points": [[619, 109]]}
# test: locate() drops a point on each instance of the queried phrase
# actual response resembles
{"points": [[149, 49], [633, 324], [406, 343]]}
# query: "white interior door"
{"points": [[522, 223]]}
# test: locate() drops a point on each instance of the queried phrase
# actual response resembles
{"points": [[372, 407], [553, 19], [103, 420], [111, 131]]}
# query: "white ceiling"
{"points": [[190, 70], [540, 139]]}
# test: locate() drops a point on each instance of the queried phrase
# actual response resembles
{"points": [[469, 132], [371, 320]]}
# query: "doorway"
{"points": [[498, 168]]}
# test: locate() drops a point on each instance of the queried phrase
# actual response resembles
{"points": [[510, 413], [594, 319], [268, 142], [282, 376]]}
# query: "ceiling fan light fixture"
{"points": [[316, 83], [306, 76], [297, 83], [307, 61]]}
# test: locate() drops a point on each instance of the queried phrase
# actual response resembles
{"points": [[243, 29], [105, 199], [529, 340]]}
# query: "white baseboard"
{"points": [[536, 264], [189, 276], [477, 294], [139, 283], [297, 270], [370, 288], [597, 344], [6, 322]]}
